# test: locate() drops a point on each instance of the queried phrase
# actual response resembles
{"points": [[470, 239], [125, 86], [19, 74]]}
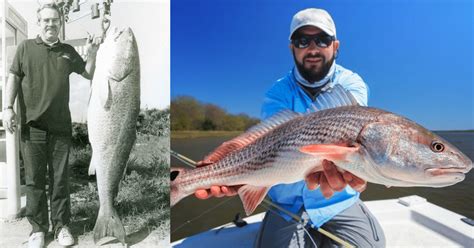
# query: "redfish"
{"points": [[375, 145], [111, 119]]}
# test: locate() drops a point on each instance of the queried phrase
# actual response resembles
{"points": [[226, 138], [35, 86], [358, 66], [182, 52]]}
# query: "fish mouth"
{"points": [[118, 33], [440, 171]]}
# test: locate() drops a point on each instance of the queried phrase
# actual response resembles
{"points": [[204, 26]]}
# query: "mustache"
{"points": [[313, 56]]}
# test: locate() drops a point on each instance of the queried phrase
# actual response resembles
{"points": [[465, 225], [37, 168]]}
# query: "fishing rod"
{"points": [[294, 217]]}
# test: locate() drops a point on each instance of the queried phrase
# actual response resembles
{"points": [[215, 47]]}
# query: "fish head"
{"points": [[120, 51], [405, 154]]}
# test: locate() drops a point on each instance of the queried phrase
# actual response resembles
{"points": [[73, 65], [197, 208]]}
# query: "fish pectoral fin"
{"points": [[329, 151], [251, 197], [105, 95]]}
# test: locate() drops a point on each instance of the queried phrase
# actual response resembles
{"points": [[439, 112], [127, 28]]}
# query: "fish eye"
{"points": [[437, 146]]}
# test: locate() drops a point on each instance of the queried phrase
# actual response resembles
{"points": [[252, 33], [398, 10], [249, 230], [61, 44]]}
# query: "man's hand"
{"points": [[216, 191], [9, 120], [92, 45], [331, 180]]}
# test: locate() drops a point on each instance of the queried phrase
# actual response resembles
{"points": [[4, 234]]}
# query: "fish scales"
{"points": [[113, 110], [334, 125], [375, 145]]}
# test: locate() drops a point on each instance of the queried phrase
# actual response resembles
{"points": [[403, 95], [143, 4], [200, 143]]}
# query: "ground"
{"points": [[14, 233], [142, 202]]}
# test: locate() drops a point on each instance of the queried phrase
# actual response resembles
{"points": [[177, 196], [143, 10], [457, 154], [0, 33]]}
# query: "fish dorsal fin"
{"points": [[251, 196], [251, 135], [332, 97]]}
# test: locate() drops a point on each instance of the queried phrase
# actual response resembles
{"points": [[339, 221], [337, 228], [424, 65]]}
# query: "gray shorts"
{"points": [[355, 225]]}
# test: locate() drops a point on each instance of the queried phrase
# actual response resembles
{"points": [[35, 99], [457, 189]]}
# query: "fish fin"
{"points": [[90, 93], [92, 166], [332, 96], [251, 135], [176, 193], [105, 95], [329, 151], [251, 197], [108, 225]]}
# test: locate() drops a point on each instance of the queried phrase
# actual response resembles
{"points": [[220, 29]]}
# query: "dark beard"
{"points": [[311, 75]]}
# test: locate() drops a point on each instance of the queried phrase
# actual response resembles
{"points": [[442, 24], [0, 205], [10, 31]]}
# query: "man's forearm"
{"points": [[90, 67], [11, 89]]}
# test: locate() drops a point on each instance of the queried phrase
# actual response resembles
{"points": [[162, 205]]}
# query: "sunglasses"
{"points": [[321, 40]]}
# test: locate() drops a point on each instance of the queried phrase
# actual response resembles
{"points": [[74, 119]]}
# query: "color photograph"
{"points": [[321, 123]]}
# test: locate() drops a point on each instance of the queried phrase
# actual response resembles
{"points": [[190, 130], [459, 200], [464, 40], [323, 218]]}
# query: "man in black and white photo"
{"points": [[39, 76]]}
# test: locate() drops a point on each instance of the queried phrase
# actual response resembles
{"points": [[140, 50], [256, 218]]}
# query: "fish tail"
{"points": [[108, 225], [176, 192]]}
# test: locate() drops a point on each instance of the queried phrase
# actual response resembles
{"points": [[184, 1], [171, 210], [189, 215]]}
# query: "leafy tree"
{"points": [[187, 113]]}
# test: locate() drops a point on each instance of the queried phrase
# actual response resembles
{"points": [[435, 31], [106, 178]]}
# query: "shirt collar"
{"points": [[40, 41]]}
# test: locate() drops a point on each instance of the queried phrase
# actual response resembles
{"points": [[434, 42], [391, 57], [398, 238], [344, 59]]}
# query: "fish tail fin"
{"points": [[176, 191], [108, 225]]}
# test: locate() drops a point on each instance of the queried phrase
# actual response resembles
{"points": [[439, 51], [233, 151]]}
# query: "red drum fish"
{"points": [[375, 145], [113, 110]]}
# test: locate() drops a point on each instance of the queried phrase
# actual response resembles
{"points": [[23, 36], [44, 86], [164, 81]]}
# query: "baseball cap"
{"points": [[313, 17]]}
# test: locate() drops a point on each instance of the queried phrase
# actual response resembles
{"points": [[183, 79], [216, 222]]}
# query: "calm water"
{"points": [[189, 216]]}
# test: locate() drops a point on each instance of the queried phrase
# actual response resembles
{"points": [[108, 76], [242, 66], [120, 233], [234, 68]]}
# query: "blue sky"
{"points": [[415, 55]]}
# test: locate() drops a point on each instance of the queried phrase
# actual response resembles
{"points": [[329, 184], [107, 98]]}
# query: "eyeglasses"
{"points": [[321, 40], [53, 20]]}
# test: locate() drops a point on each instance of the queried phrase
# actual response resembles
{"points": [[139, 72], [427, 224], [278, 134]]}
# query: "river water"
{"points": [[191, 216]]}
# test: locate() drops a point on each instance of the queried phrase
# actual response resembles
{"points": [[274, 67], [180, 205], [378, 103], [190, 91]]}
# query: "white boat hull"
{"points": [[407, 222]]}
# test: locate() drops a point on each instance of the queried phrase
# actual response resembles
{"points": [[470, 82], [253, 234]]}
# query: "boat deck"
{"points": [[407, 222]]}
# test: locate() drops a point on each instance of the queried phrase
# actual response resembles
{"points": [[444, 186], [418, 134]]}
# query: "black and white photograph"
{"points": [[84, 145]]}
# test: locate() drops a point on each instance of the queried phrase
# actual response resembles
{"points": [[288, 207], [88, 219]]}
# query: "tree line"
{"points": [[187, 113]]}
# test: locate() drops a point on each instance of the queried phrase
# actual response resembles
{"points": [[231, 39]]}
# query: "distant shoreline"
{"points": [[456, 131], [199, 133]]}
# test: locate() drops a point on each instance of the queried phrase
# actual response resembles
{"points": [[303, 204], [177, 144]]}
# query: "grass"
{"points": [[197, 134], [143, 198]]}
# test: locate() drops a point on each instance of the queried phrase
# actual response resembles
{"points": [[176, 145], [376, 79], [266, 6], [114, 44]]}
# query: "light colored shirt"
{"points": [[286, 93]]}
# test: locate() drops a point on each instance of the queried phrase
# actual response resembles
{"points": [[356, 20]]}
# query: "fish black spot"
{"points": [[174, 175]]}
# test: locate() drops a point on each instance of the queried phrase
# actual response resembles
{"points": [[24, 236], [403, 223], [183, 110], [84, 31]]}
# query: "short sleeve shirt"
{"points": [[44, 90]]}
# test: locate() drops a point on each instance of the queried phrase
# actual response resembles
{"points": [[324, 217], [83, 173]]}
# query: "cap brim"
{"points": [[317, 25]]}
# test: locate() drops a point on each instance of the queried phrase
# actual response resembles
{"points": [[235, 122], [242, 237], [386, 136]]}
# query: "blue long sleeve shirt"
{"points": [[286, 93]]}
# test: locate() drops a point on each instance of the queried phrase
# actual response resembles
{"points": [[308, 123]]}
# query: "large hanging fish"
{"points": [[112, 116]]}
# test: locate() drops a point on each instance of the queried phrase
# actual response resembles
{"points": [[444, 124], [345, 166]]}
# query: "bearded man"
{"points": [[335, 205]]}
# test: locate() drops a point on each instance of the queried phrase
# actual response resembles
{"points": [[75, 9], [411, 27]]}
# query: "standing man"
{"points": [[335, 205], [39, 75]]}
